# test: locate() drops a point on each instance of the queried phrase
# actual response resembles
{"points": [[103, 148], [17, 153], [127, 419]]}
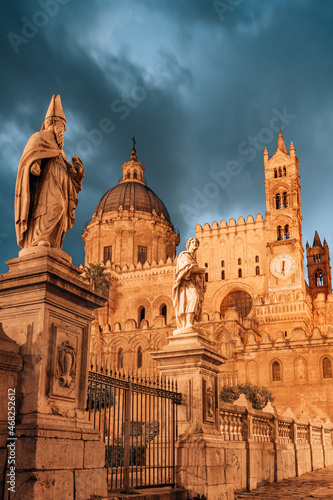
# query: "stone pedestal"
{"points": [[190, 358], [47, 310]]}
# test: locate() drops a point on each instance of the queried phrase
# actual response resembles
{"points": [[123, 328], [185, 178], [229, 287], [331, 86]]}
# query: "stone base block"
{"points": [[46, 485], [44, 453], [90, 483], [211, 466]]}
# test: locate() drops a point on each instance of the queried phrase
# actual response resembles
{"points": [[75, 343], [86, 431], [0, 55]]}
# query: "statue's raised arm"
{"points": [[47, 184], [188, 289]]}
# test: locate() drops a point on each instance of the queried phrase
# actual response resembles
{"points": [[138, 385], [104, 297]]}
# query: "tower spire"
{"points": [[316, 240], [280, 144]]}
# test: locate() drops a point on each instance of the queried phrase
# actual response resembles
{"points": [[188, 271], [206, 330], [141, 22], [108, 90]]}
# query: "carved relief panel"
{"points": [[65, 362]]}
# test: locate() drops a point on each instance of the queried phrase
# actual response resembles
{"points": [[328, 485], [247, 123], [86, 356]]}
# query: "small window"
{"points": [[128, 175], [135, 175], [107, 254], [239, 262], [284, 171], [280, 172], [206, 264], [279, 233], [223, 275], [222, 263], [239, 273], [120, 359], [142, 254], [275, 173], [277, 201], [285, 200], [314, 258], [206, 277], [163, 311], [142, 314], [276, 371], [257, 258], [139, 357], [319, 279], [327, 368], [257, 270]]}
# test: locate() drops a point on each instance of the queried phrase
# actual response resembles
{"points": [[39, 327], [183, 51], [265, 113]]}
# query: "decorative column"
{"points": [[47, 310]]}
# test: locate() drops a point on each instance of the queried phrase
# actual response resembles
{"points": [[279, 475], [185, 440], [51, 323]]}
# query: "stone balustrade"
{"points": [[267, 447]]}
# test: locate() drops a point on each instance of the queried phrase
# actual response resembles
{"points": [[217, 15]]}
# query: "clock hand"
{"points": [[282, 269]]}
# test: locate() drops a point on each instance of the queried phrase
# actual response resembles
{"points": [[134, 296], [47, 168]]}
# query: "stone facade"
{"points": [[258, 312]]}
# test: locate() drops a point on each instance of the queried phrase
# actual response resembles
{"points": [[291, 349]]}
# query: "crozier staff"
{"points": [[188, 289]]}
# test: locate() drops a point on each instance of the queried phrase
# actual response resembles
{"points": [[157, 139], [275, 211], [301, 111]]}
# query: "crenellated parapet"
{"points": [[224, 225]]}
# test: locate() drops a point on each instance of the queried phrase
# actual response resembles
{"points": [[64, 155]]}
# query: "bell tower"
{"points": [[283, 217], [319, 269]]}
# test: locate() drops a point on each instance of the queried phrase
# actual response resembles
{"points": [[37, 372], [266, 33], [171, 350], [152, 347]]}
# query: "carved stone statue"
{"points": [[188, 289], [47, 184]]}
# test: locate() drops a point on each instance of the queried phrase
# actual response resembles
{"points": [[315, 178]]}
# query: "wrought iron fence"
{"points": [[137, 417]]}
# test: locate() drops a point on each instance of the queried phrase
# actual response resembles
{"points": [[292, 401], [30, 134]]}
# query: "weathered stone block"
{"points": [[90, 482], [94, 454], [43, 453], [44, 485]]}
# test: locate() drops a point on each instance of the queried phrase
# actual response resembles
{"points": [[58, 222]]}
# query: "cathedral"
{"points": [[274, 328]]}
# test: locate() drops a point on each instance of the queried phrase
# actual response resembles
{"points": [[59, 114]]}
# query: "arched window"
{"points": [[206, 277], [286, 233], [277, 201], [327, 368], [139, 357], [285, 200], [279, 233], [314, 258], [120, 360], [275, 173], [163, 311], [223, 275], [128, 175], [257, 270], [239, 262], [135, 175], [239, 273], [239, 299], [276, 371], [257, 258], [280, 172], [284, 171], [319, 279], [222, 263], [142, 314]]}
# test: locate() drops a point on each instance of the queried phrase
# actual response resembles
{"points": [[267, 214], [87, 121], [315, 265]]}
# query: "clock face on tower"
{"points": [[283, 265]]}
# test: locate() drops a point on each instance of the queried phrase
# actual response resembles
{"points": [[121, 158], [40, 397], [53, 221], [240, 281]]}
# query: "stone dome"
{"points": [[134, 194]]}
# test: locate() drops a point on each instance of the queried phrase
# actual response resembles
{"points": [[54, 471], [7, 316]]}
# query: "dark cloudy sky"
{"points": [[201, 84]]}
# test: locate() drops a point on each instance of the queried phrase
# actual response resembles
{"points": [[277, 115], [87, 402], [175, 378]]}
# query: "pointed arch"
{"points": [[276, 370]]}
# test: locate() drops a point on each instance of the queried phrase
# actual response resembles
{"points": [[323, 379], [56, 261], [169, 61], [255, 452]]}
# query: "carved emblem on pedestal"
{"points": [[66, 364]]}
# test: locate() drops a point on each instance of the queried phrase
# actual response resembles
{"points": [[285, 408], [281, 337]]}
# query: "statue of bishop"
{"points": [[47, 184]]}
